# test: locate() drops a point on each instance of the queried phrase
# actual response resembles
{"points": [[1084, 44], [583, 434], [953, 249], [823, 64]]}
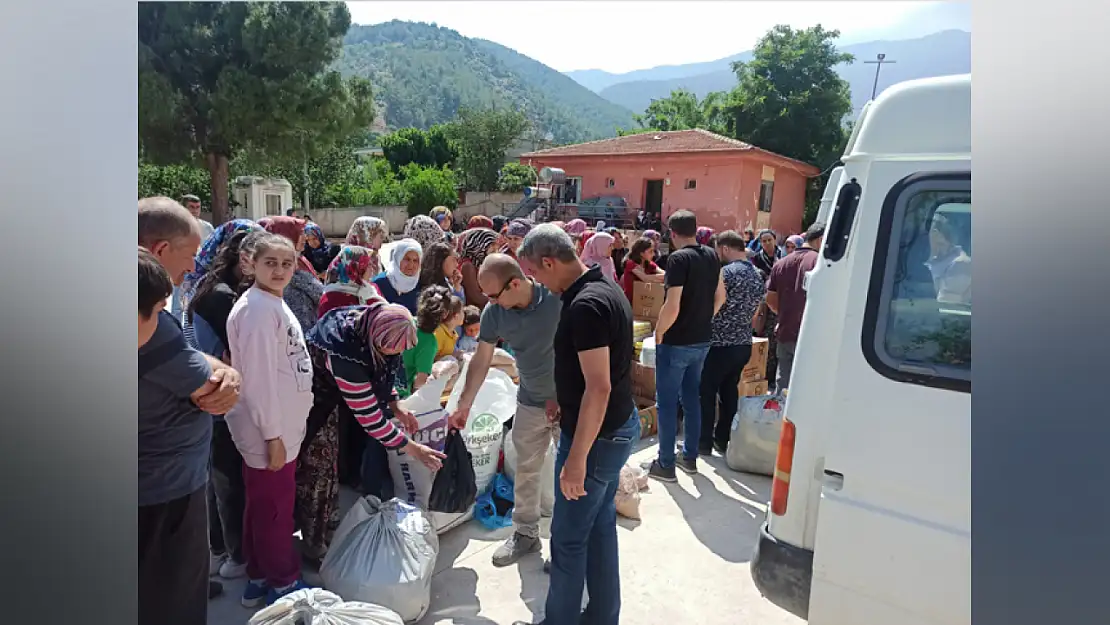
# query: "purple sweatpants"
{"points": [[268, 525]]}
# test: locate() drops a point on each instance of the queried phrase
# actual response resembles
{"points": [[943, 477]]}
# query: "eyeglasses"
{"points": [[502, 291]]}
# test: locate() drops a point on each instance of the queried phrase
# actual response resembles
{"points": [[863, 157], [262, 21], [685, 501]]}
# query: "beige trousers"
{"points": [[532, 436]]}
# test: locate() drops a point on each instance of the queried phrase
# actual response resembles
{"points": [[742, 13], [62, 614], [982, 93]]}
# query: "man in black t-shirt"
{"points": [[694, 293], [599, 423]]}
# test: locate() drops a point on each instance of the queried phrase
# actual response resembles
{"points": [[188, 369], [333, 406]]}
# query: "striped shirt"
{"points": [[368, 398]]}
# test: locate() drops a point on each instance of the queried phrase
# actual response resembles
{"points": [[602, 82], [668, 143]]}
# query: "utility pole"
{"points": [[878, 63]]}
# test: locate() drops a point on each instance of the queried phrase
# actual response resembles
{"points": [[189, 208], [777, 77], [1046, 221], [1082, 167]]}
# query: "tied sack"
{"points": [[316, 606], [385, 554], [454, 488], [412, 481], [754, 440], [494, 405], [633, 480]]}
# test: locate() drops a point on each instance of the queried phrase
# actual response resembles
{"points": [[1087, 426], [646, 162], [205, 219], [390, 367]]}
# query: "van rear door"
{"points": [[893, 534]]}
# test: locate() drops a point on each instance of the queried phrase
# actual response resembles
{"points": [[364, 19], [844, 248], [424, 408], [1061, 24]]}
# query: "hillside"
{"points": [[423, 73], [939, 54]]}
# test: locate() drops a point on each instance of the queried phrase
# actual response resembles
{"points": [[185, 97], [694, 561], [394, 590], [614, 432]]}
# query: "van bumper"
{"points": [[783, 573]]}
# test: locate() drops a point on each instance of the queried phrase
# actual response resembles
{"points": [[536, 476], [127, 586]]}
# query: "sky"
{"points": [[621, 36]]}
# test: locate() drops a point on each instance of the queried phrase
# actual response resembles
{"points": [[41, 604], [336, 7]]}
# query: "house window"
{"points": [[610, 183], [273, 204], [572, 190], [691, 184], [917, 320], [766, 191]]}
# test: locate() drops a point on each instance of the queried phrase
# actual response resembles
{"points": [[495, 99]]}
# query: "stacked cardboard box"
{"points": [[753, 380], [643, 391], [647, 301]]}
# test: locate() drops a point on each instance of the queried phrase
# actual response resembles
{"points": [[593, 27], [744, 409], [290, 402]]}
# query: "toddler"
{"points": [[472, 319], [268, 423], [438, 313]]}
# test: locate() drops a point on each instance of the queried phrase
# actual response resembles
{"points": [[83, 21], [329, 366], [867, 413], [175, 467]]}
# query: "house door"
{"points": [[653, 198]]}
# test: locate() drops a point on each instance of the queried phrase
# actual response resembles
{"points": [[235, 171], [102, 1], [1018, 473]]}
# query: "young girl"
{"points": [[440, 267], [268, 424], [447, 334], [436, 307], [639, 267]]}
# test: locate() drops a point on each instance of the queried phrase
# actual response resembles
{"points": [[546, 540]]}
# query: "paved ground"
{"points": [[687, 557]]}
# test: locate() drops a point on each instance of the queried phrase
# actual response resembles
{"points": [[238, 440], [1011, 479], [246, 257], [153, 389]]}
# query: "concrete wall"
{"points": [[726, 195], [482, 203], [335, 222]]}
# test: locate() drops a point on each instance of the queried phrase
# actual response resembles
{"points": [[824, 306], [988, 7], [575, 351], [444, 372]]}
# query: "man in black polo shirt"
{"points": [[694, 293], [599, 423]]}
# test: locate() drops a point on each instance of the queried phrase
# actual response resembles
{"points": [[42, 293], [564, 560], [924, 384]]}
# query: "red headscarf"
{"points": [[480, 221], [293, 229]]}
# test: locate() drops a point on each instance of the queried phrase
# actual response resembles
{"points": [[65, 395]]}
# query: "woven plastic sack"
{"points": [[385, 554], [412, 481], [754, 441], [494, 508], [316, 606]]}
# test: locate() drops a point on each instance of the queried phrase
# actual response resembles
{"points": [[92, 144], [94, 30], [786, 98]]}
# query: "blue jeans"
{"points": [[584, 534], [678, 378]]}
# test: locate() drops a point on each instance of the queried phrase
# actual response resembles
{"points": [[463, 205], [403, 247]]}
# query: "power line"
{"points": [[878, 63]]}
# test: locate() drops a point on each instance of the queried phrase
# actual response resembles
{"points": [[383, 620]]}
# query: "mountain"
{"points": [[922, 20], [423, 73], [939, 54]]}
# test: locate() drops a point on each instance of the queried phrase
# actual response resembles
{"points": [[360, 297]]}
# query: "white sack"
{"points": [[754, 441], [316, 606]]}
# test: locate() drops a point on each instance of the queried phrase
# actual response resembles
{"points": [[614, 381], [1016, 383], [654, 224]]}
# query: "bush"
{"points": [[173, 181], [514, 177], [426, 188]]}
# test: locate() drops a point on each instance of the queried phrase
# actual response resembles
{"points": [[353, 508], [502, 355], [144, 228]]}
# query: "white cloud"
{"points": [[624, 36]]}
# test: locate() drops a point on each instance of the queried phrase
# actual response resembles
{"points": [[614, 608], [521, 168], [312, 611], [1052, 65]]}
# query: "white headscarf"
{"points": [[402, 283]]}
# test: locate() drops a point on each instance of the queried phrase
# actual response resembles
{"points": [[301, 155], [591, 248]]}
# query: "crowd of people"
{"points": [[272, 363]]}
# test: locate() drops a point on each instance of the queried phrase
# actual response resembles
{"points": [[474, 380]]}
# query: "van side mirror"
{"points": [[844, 214]]}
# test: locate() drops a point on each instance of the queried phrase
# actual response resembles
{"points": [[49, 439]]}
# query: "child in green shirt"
{"points": [[436, 306]]}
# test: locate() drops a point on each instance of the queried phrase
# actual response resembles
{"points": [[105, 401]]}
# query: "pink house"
{"points": [[729, 184]]}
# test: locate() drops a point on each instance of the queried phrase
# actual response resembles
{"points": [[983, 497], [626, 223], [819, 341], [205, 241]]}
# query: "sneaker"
{"points": [[215, 561], [705, 450], [689, 466], [547, 566], [517, 546], [254, 594], [722, 448], [215, 589], [231, 569], [274, 594], [660, 473]]}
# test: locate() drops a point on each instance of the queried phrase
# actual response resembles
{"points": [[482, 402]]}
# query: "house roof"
{"points": [[663, 142]]}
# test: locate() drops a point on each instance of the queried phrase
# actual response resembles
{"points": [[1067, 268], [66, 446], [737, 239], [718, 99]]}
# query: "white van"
{"points": [[870, 515]]}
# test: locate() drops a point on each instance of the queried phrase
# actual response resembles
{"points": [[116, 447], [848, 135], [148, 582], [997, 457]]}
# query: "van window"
{"points": [[919, 304]]}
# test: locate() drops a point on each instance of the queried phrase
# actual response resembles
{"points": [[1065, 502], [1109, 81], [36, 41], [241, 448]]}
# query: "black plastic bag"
{"points": [[455, 486]]}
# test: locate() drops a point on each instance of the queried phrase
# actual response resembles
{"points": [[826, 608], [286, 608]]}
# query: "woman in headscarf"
{"points": [[317, 249], [765, 320], [657, 240], [305, 289], [473, 246], [620, 249], [398, 282], [349, 279], [793, 242], [204, 259], [442, 216], [575, 226], [514, 235], [598, 251], [704, 235], [440, 267], [370, 233], [425, 231], [355, 352], [480, 221]]}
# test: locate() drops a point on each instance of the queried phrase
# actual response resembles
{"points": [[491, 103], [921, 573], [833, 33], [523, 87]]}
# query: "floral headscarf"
{"points": [[424, 230], [519, 227], [351, 265], [473, 245], [363, 231], [210, 247], [575, 226], [383, 326], [703, 235], [480, 221], [653, 235]]}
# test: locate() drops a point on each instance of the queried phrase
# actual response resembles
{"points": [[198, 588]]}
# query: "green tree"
{"points": [[790, 100], [427, 148], [482, 138], [215, 77], [683, 111], [428, 187], [514, 177]]}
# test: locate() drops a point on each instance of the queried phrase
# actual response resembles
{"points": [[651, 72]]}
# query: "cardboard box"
{"points": [[643, 381], [647, 301], [752, 389], [756, 369]]}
